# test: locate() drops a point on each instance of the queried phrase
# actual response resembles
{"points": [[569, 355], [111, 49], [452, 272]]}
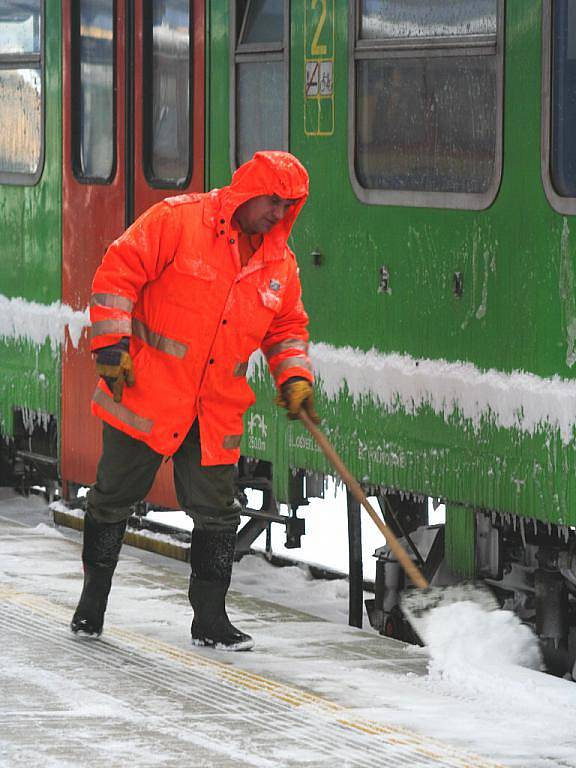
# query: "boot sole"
{"points": [[245, 645], [86, 636], [82, 634]]}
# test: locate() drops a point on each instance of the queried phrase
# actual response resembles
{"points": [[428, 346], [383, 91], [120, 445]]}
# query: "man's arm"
{"points": [[286, 349], [286, 342], [134, 259]]}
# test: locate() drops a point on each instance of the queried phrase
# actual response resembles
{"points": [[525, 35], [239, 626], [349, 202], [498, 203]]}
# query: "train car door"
{"points": [[133, 133]]}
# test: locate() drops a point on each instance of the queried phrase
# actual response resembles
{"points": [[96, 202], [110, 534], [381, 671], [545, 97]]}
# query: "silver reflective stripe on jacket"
{"points": [[156, 340], [283, 346], [118, 325], [122, 413], [231, 441], [111, 300]]}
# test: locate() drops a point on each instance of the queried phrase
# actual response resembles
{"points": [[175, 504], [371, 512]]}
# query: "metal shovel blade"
{"points": [[416, 604]]}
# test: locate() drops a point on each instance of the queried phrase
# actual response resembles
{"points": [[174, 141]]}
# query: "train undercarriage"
{"points": [[529, 565]]}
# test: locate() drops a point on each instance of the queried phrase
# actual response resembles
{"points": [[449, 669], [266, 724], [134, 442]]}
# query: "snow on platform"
{"points": [[312, 693]]}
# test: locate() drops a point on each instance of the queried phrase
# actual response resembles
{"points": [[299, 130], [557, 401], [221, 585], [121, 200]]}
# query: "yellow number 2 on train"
{"points": [[319, 50]]}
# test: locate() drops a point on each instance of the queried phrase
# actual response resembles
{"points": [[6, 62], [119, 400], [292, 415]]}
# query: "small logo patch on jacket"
{"points": [[275, 284]]}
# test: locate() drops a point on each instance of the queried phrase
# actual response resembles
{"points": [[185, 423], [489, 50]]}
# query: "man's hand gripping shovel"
{"points": [[417, 603]]}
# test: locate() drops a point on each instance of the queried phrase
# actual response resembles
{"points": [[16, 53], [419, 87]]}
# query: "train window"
{"points": [[167, 97], [259, 110], [401, 20], [20, 27], [21, 98], [559, 104], [426, 95], [93, 112], [263, 22]]}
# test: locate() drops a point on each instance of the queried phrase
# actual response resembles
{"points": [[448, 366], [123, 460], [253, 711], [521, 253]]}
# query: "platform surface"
{"points": [[312, 693]]}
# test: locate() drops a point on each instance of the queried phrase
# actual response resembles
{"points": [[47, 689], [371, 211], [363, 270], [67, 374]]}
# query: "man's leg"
{"points": [[207, 495], [125, 474]]}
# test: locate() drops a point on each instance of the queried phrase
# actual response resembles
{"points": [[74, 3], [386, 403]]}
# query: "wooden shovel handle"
{"points": [[355, 489]]}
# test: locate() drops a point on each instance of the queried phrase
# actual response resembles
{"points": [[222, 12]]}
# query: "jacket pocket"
{"points": [[188, 284]]}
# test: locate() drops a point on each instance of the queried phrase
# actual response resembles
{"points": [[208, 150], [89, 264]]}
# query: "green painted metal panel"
{"points": [[30, 267], [516, 313], [218, 169], [460, 540]]}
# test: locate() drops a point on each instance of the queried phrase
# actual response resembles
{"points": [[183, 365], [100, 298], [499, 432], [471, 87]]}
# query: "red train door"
{"points": [[133, 133]]}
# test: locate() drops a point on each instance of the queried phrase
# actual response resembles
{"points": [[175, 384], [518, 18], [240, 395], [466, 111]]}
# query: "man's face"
{"points": [[259, 214]]}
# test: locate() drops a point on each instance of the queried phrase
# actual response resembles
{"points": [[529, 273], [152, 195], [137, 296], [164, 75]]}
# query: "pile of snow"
{"points": [[468, 645], [487, 664], [47, 530], [473, 651]]}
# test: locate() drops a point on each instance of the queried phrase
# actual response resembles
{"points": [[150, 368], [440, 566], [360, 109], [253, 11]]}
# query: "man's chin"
{"points": [[261, 228]]}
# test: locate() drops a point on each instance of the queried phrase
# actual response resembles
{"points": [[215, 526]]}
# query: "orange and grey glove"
{"points": [[297, 393], [114, 364]]}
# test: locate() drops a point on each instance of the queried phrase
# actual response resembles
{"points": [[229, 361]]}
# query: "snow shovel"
{"points": [[417, 603]]}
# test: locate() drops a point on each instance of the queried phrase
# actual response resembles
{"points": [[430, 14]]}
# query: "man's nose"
{"points": [[280, 211]]}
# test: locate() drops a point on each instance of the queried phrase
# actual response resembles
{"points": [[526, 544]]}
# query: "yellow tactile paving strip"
{"points": [[434, 751]]}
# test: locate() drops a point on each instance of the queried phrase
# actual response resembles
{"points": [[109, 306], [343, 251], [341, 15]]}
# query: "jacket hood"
{"points": [[268, 173]]}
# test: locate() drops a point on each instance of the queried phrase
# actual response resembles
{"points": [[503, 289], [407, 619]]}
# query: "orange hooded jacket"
{"points": [[173, 283]]}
